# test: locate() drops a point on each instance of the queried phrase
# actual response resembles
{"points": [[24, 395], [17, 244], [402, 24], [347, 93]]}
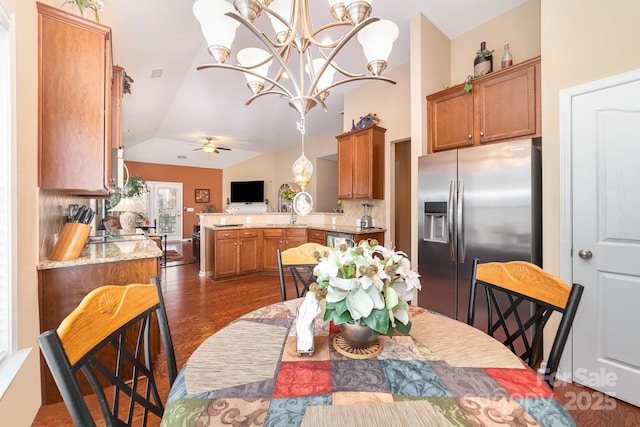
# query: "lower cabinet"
{"points": [[379, 236], [280, 238], [236, 252], [317, 236], [60, 290]]}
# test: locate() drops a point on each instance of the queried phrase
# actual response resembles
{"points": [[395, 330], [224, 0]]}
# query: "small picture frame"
{"points": [[202, 195]]}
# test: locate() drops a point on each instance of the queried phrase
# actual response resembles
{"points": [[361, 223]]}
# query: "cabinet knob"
{"points": [[481, 133], [469, 136]]}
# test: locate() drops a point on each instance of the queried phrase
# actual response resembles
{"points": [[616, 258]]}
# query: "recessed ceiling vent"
{"points": [[156, 74], [182, 157]]}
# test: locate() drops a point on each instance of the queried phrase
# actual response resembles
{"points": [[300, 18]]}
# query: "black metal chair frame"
{"points": [[530, 328], [302, 275], [125, 386]]}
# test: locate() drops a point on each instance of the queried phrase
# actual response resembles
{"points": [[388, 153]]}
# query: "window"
{"points": [[12, 358], [6, 202]]}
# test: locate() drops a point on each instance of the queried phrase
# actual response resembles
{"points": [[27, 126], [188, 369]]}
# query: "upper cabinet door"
{"points": [[506, 106], [74, 129], [450, 119], [361, 164]]}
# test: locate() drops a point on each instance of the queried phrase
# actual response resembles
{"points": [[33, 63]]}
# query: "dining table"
{"points": [[443, 373]]}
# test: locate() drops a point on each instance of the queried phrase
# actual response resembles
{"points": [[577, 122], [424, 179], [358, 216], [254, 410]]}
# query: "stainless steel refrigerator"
{"points": [[480, 202]]}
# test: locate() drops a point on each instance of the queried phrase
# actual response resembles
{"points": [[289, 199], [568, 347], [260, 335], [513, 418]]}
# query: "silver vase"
{"points": [[357, 335]]}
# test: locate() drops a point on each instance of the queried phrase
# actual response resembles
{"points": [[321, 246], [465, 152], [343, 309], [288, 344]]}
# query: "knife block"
{"points": [[72, 239]]}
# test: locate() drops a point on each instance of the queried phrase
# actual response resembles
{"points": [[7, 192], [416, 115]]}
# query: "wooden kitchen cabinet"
{"points": [[75, 103], [60, 290], [236, 252], [317, 236], [280, 238], [503, 105], [361, 164]]}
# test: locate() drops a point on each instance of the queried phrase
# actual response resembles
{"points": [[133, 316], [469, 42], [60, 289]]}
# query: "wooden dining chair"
{"points": [[111, 322], [522, 297], [300, 261]]}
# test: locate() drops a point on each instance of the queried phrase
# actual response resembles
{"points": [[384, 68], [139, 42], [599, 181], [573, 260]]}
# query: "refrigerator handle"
{"points": [[460, 222], [450, 220]]}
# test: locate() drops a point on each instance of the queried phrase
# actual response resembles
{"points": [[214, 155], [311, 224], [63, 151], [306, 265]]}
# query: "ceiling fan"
{"points": [[210, 147]]}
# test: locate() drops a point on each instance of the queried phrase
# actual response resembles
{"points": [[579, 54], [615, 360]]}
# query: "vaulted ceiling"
{"points": [[173, 107]]}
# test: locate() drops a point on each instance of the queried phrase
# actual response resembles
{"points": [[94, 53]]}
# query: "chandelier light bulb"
{"points": [[258, 61], [218, 29], [377, 40]]}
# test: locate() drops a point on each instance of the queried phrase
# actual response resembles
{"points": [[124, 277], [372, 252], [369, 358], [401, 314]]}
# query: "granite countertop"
{"points": [[98, 253], [328, 228]]}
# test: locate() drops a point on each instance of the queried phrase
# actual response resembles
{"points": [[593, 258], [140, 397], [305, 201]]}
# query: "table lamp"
{"points": [[129, 207]]}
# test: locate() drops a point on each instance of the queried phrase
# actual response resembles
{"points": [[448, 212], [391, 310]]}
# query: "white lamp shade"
{"points": [[326, 79], [128, 204], [251, 56], [218, 29], [282, 8], [377, 39]]}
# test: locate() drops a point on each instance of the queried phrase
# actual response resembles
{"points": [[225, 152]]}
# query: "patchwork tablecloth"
{"points": [[444, 373]]}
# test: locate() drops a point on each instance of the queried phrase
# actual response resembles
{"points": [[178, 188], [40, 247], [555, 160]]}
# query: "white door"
{"points": [[605, 146], [164, 205]]}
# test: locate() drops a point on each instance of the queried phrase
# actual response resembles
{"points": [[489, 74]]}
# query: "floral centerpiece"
{"points": [[369, 284], [289, 194]]}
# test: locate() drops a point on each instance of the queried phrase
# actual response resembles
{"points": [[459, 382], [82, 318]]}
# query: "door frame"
{"points": [[565, 369]]}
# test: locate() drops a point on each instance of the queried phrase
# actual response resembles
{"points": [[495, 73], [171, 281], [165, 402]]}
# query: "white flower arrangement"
{"points": [[369, 284]]}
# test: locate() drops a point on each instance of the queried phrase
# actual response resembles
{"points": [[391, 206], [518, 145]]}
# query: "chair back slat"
{"points": [[108, 338], [520, 299]]}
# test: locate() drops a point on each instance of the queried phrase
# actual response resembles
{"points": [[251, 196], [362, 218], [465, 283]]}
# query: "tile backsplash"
{"points": [[53, 211]]}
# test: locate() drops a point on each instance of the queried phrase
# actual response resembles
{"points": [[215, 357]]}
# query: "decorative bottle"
{"points": [[483, 64], [507, 59]]}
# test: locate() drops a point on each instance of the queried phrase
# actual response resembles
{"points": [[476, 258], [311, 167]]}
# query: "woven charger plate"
{"points": [[345, 349]]}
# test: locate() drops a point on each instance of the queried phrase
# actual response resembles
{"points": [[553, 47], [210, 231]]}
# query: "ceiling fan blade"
{"points": [[223, 148], [196, 149]]}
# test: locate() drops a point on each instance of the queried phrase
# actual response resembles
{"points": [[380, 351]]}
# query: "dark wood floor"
{"points": [[198, 307]]}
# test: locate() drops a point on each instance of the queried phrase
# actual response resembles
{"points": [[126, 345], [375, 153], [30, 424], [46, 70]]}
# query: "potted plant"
{"points": [[368, 285], [135, 187]]}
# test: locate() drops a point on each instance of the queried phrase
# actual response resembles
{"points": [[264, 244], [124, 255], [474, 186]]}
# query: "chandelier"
{"points": [[295, 45]]}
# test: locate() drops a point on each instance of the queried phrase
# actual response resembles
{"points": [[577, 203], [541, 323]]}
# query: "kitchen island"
{"points": [[233, 249], [63, 284]]}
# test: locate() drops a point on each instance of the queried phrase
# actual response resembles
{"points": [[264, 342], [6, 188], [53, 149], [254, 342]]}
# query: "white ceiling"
{"points": [[169, 116]]}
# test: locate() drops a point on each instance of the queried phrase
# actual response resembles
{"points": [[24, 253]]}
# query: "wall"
{"points": [[519, 26], [275, 168], [191, 178]]}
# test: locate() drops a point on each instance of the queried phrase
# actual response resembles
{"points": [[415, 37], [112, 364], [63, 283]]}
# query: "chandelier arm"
{"points": [[271, 49], [266, 92], [326, 27], [357, 78], [343, 41], [245, 70], [290, 33]]}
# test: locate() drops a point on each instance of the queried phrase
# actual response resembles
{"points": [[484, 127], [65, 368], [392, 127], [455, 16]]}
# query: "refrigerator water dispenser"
{"points": [[435, 222]]}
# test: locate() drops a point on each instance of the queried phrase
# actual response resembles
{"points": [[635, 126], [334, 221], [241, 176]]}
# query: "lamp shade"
{"points": [[377, 40], [218, 29], [249, 58], [128, 204], [282, 8], [327, 77]]}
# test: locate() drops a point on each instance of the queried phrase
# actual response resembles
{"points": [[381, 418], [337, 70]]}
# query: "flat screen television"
{"points": [[247, 191]]}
